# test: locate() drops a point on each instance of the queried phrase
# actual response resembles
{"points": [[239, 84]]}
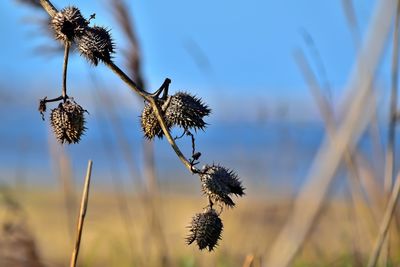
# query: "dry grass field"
{"points": [[250, 229]]}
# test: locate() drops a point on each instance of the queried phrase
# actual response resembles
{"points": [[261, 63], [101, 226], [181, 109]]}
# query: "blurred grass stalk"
{"points": [[356, 113], [63, 168], [111, 153], [374, 131], [126, 23], [390, 156], [360, 207]]}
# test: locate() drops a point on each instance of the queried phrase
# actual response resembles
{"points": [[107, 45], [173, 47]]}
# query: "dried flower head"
{"points": [[218, 183], [187, 111], [68, 24], [205, 229], [96, 44], [150, 125], [68, 122]]}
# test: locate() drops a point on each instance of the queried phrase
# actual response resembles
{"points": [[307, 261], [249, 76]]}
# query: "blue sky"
{"points": [[245, 47], [245, 70]]}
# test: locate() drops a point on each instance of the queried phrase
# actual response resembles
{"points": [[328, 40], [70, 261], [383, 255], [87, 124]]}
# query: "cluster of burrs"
{"points": [[161, 113], [187, 112], [67, 120], [95, 44], [218, 184]]}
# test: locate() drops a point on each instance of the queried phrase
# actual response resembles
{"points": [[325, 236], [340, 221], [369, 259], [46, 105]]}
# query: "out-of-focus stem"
{"points": [[391, 142], [384, 227], [390, 153]]}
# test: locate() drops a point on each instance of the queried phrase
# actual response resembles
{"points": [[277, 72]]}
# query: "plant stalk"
{"points": [[82, 214], [65, 69], [171, 140]]}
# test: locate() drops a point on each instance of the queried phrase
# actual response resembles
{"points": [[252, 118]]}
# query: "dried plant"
{"points": [[68, 122], [82, 214], [161, 112], [205, 229]]}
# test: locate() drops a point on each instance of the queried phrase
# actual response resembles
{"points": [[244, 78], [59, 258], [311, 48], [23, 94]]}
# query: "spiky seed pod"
{"points": [[68, 24], [150, 125], [96, 44], [219, 183], [187, 111], [205, 229], [68, 122]]}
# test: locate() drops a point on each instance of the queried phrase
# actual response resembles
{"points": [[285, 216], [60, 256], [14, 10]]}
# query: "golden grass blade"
{"points": [[82, 214], [248, 261]]}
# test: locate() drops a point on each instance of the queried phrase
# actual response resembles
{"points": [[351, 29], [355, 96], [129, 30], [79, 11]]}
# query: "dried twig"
{"points": [[82, 214], [180, 109]]}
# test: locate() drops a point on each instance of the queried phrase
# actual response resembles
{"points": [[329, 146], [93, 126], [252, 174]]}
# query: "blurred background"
{"points": [[277, 76]]}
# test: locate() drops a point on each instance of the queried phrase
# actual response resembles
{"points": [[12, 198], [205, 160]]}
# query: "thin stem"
{"points": [[163, 88], [45, 100], [65, 68], [48, 6], [193, 141], [82, 214], [127, 80], [171, 140], [384, 227]]}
